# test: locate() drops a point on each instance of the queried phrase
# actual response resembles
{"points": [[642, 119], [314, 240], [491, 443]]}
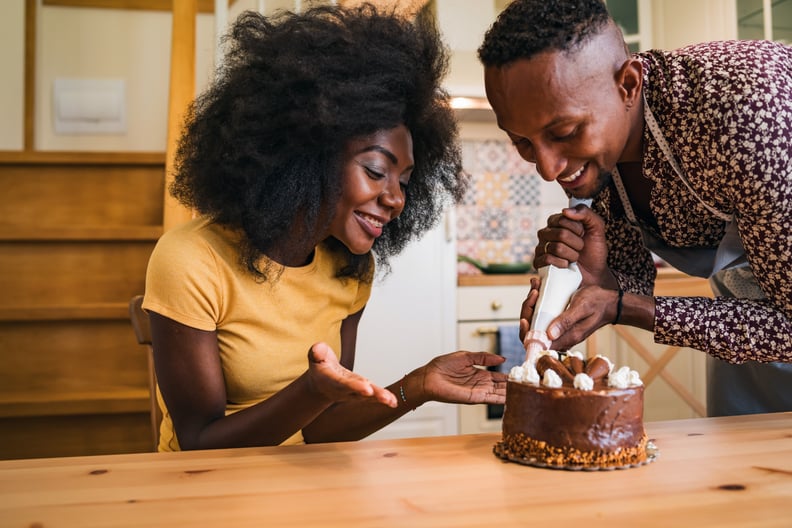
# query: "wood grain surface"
{"points": [[717, 472]]}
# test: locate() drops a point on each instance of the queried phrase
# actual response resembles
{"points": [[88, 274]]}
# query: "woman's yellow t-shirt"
{"points": [[264, 328]]}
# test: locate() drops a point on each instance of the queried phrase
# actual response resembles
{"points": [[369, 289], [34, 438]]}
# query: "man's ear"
{"points": [[629, 79]]}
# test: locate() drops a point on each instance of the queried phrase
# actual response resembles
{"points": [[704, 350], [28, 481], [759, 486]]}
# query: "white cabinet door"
{"points": [[408, 321], [480, 311], [478, 336]]}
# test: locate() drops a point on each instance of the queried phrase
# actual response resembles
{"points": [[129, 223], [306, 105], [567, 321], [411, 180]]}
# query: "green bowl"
{"points": [[494, 268]]}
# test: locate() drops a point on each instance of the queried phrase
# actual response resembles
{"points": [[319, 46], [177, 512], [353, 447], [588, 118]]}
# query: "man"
{"points": [[687, 154]]}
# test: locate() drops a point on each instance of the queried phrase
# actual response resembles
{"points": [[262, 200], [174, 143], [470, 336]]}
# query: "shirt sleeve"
{"points": [[181, 281], [739, 330], [751, 160], [630, 261]]}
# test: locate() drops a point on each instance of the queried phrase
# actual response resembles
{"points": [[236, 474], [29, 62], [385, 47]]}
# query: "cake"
{"points": [[564, 411]]}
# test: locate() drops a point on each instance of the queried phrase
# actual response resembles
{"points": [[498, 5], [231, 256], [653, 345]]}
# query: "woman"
{"points": [[325, 138]]}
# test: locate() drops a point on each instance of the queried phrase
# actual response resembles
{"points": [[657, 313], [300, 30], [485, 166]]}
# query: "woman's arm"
{"points": [[451, 378], [338, 422], [190, 378]]}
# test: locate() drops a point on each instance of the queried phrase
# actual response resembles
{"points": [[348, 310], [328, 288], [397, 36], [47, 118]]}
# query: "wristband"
{"points": [[619, 307]]}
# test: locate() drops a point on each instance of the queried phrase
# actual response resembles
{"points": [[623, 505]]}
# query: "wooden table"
{"points": [[717, 472]]}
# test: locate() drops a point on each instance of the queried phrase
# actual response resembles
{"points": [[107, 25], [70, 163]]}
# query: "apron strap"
{"points": [[658, 136]]}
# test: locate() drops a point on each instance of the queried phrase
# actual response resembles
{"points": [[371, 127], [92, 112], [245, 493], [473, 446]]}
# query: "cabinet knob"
{"points": [[496, 305]]}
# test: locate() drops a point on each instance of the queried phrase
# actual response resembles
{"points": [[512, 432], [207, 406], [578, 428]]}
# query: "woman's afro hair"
{"points": [[262, 147]]}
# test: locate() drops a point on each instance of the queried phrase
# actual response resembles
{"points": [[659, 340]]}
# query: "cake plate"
{"points": [[652, 452]]}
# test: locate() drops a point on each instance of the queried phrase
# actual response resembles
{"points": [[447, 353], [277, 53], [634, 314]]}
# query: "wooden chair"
{"points": [[142, 328]]}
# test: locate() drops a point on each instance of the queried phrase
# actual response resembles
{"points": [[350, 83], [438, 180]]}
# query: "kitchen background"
{"points": [[506, 203], [83, 132]]}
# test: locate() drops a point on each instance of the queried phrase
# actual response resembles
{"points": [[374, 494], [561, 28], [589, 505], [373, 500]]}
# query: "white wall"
{"points": [[12, 64], [676, 23], [135, 46], [463, 25], [132, 45]]}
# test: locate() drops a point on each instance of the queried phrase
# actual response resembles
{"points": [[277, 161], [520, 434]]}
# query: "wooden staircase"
{"points": [[76, 230]]}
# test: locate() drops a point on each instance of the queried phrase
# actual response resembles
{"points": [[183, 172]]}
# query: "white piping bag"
{"points": [[557, 287]]}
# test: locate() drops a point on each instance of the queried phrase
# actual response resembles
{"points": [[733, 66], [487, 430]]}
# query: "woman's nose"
{"points": [[393, 195]]}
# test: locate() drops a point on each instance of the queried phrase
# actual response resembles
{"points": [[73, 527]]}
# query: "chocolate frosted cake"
{"points": [[573, 413]]}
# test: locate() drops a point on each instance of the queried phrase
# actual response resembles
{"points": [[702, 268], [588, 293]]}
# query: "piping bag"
{"points": [[557, 287]]}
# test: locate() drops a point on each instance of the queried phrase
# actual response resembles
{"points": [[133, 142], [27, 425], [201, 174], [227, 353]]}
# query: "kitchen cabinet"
{"points": [[764, 19], [677, 23], [634, 19], [483, 305], [408, 321], [464, 29]]}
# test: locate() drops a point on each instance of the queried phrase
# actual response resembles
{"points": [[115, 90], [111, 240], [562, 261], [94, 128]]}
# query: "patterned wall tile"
{"points": [[466, 222], [524, 189], [491, 156], [523, 224], [492, 189], [514, 163], [506, 203], [493, 223], [496, 251]]}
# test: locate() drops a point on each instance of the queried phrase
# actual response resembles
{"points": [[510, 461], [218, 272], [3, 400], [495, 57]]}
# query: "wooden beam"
{"points": [[182, 92], [75, 157], [203, 6], [30, 77], [408, 8], [688, 397]]}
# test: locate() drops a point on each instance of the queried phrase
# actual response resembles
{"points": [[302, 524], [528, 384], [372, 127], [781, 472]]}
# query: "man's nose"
{"points": [[549, 163]]}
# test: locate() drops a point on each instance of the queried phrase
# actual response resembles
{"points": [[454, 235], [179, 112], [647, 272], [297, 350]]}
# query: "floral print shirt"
{"points": [[725, 109]]}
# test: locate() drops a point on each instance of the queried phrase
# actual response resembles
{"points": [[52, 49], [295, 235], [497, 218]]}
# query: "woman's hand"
{"points": [[328, 379], [576, 235], [458, 378]]}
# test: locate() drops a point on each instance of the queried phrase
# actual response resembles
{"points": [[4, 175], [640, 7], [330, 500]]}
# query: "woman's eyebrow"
{"points": [[382, 150]]}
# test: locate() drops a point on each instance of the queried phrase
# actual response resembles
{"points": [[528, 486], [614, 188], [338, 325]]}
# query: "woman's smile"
{"points": [[376, 172], [372, 225]]}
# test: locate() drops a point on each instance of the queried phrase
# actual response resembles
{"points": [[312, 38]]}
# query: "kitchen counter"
{"points": [[511, 279], [714, 472], [668, 279]]}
